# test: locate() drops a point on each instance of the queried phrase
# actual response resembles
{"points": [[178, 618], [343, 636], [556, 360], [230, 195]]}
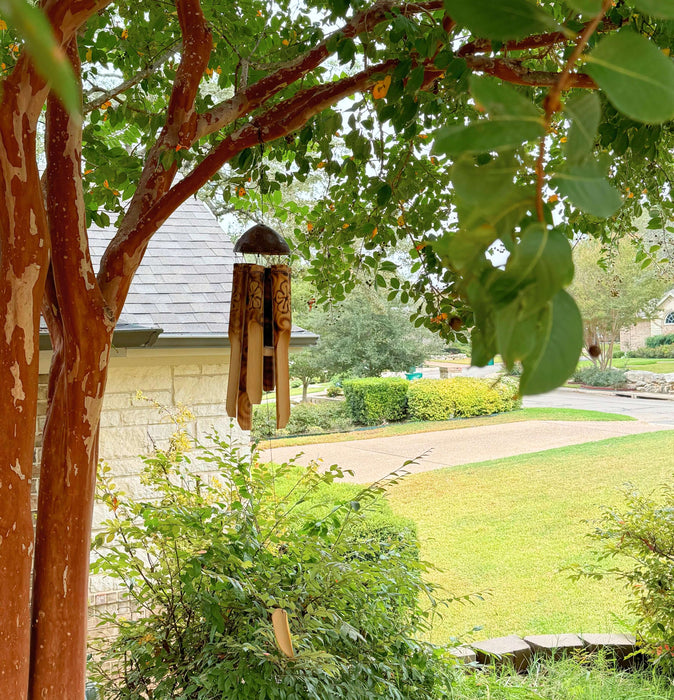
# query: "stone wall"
{"points": [[649, 382], [132, 426], [634, 337]]}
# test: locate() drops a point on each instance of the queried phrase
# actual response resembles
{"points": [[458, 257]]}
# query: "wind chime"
{"points": [[260, 322]]}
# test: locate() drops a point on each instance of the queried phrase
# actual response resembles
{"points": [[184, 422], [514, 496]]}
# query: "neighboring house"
{"points": [[170, 343], [661, 323]]}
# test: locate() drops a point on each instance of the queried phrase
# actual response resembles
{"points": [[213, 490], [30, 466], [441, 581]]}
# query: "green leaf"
{"points": [[477, 185], [500, 98], [515, 336], [463, 248], [498, 19], [585, 113], [656, 8], [383, 194], [538, 268], [586, 7], [635, 75], [587, 188], [50, 60], [497, 133], [559, 339]]}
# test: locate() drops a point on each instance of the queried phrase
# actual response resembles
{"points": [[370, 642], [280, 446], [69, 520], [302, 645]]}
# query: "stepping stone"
{"points": [[464, 655], [617, 645], [554, 645], [504, 650]]}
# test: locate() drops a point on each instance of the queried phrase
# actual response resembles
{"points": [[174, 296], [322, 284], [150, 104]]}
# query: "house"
{"points": [[661, 323], [170, 344]]}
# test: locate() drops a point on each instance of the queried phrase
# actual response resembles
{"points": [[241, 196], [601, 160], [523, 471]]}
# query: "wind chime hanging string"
{"points": [[260, 322]]}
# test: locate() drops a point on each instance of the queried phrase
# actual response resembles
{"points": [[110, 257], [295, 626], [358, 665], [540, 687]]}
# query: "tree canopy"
{"points": [[445, 127]]}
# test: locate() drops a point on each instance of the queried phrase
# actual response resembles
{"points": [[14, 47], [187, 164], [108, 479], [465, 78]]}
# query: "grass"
{"points": [[563, 680], [508, 526], [664, 366], [409, 428]]}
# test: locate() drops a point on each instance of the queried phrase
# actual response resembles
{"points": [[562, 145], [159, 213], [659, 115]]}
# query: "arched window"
{"points": [[669, 318]]}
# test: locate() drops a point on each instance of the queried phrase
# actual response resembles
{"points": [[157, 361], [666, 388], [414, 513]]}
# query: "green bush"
{"points": [[593, 376], [334, 390], [305, 418], [207, 560], [639, 539], [375, 400], [657, 340], [659, 352], [442, 399]]}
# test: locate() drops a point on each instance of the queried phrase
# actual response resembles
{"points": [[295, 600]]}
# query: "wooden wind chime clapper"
{"points": [[260, 322]]}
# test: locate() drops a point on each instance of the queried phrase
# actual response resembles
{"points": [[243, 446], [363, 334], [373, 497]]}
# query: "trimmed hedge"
{"points": [[663, 352], [375, 400], [592, 376], [657, 340], [460, 397]]}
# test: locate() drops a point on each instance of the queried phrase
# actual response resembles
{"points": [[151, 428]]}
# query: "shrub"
{"points": [[657, 340], [639, 537], [593, 376], [659, 352], [305, 418], [442, 399], [375, 400], [208, 560], [334, 390]]}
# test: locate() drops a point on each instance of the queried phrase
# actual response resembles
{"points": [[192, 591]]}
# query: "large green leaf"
{"points": [[501, 19], [484, 184], [537, 269], [463, 248], [48, 57], [559, 340], [500, 98], [587, 188], [656, 8], [585, 113], [497, 133], [586, 7], [635, 75], [515, 333]]}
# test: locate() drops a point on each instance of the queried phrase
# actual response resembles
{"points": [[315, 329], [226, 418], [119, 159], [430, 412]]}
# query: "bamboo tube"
{"points": [[236, 318], [280, 276], [255, 330]]}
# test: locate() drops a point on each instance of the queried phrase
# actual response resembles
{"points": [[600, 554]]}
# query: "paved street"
{"points": [[656, 411]]}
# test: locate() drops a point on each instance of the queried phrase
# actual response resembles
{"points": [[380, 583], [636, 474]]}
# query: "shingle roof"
{"points": [[184, 283]]}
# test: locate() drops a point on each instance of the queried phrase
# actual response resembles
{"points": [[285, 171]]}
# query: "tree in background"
{"points": [[494, 86], [362, 337], [612, 295]]}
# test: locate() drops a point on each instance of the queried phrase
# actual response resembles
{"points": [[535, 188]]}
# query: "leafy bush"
{"points": [[657, 340], [640, 538], [207, 561], [593, 376], [375, 400], [442, 399], [305, 418], [659, 352], [334, 390]]}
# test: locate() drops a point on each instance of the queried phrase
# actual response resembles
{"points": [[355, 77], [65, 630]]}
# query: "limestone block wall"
{"points": [[635, 336], [132, 426]]}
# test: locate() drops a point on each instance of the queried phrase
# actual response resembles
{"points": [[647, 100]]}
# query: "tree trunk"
{"points": [[305, 390], [65, 507]]}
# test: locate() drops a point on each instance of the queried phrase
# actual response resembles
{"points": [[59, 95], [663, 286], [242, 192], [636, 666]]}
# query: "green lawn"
{"points": [[408, 428], [508, 526], [639, 363]]}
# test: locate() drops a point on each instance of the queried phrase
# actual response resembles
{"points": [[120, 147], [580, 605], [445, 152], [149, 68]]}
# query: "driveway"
{"points": [[375, 458]]}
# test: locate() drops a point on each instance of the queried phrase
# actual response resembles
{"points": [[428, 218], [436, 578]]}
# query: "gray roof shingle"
{"points": [[184, 281]]}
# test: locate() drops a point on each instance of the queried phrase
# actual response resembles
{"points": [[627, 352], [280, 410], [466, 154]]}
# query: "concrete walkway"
{"points": [[375, 458]]}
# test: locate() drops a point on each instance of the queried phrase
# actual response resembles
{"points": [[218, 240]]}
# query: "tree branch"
{"points": [[130, 82], [249, 99], [514, 72]]}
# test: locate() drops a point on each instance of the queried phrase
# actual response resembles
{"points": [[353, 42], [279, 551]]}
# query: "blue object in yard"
{"points": [[413, 375], [490, 363]]}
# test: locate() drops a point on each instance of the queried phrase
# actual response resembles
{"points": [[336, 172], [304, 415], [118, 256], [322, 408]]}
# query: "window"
{"points": [[669, 318]]}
